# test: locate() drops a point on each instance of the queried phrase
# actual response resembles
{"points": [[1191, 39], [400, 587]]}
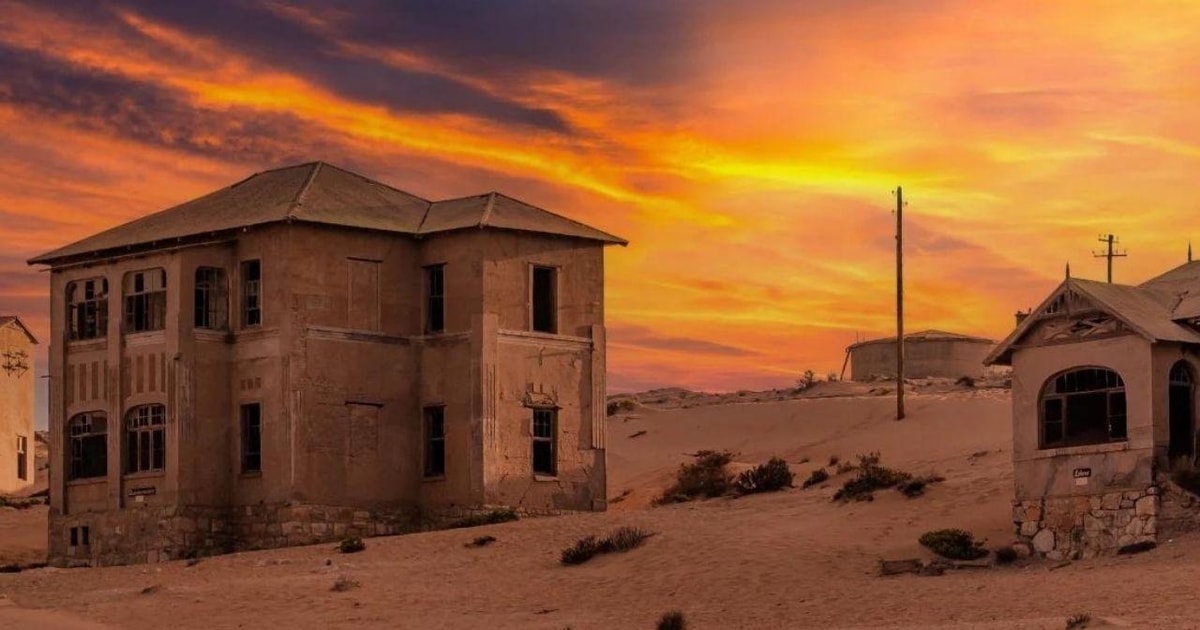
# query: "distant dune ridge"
{"points": [[788, 559]]}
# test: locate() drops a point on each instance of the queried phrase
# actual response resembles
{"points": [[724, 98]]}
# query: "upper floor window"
{"points": [[145, 300], [435, 298], [87, 435], [145, 439], [251, 293], [544, 299], [87, 309], [1083, 406], [212, 298]]}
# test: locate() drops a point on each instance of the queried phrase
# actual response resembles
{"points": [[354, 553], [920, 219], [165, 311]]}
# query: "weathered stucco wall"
{"points": [[16, 410], [922, 358]]}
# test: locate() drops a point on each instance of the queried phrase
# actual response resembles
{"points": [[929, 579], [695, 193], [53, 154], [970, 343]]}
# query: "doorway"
{"points": [[1183, 432]]}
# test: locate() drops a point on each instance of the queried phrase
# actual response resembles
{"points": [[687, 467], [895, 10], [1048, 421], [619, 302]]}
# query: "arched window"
{"points": [[87, 309], [87, 434], [145, 439], [1180, 374], [1083, 406]]}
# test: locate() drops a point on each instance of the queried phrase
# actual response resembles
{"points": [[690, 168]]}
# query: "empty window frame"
{"points": [[251, 424], [145, 439], [251, 293], [1083, 406], [544, 299], [212, 299], [435, 299], [545, 424], [435, 441], [145, 300], [87, 435], [87, 309], [81, 536], [22, 457]]}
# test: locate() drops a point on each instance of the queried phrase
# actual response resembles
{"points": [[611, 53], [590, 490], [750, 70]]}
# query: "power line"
{"points": [[1110, 254]]}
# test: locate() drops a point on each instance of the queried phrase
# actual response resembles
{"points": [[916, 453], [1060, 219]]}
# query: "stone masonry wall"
{"points": [[1086, 526]]}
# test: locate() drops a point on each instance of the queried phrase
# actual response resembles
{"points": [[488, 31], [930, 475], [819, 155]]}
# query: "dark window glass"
{"points": [[251, 438], [87, 309], [435, 305], [544, 421], [251, 293], [212, 303], [88, 437], [545, 300], [22, 458], [1083, 406], [435, 441], [145, 439], [145, 300]]}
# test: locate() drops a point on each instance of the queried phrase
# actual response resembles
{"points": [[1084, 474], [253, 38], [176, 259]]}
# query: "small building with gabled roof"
{"points": [[1103, 394], [16, 405], [309, 354]]}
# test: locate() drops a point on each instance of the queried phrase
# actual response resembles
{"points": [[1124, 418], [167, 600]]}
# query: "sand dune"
{"points": [[787, 560]]}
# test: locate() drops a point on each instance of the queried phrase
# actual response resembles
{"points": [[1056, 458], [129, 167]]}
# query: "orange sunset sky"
{"points": [[747, 150]]}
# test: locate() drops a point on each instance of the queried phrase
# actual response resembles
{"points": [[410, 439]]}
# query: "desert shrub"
{"points": [[351, 544], [1078, 620], [831, 377], [343, 584], [808, 379], [706, 477], [618, 406], [482, 541], [1005, 554], [833, 460], [671, 621], [954, 544], [818, 476], [588, 547], [966, 381], [769, 477], [871, 477], [915, 487], [492, 517]]}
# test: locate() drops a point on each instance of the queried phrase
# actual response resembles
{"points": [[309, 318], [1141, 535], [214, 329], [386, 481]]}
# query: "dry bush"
{"points": [[915, 487], [1078, 620], [818, 476], [588, 547], [624, 405], [671, 621], [769, 477], [351, 544], [343, 584], [871, 477], [492, 517], [1005, 554], [481, 541], [955, 544], [706, 477], [965, 381]]}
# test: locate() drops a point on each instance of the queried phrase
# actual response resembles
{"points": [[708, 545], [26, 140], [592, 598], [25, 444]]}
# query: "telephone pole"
{"points": [[1110, 254], [899, 303]]}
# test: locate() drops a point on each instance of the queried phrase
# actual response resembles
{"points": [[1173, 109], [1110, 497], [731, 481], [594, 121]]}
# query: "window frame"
{"points": [[211, 287], [434, 441], [141, 433], [552, 313], [23, 457], [435, 301], [244, 426], [550, 440], [94, 306], [76, 440], [144, 310], [250, 315], [1050, 397]]}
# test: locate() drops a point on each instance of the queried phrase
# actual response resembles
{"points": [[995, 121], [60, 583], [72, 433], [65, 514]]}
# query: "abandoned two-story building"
{"points": [[1104, 403], [16, 405], [308, 354]]}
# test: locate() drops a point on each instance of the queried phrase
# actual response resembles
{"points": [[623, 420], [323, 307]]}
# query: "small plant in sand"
{"points": [[1078, 620], [833, 460], [671, 621], [343, 584], [915, 487], [481, 541], [491, 517], [955, 544], [588, 547], [965, 381], [623, 405], [1005, 554], [707, 476], [818, 476], [769, 477], [871, 476], [808, 379], [351, 544]]}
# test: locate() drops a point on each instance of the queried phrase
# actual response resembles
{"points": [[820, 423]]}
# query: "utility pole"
{"points": [[899, 303], [1110, 254]]}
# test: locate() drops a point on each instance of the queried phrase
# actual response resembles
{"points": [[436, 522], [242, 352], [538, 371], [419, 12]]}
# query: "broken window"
{"points": [[87, 309], [145, 300], [212, 301], [1083, 406], [435, 441], [435, 299], [251, 293], [145, 439], [22, 458], [544, 301], [81, 536], [251, 438], [88, 437], [544, 423]]}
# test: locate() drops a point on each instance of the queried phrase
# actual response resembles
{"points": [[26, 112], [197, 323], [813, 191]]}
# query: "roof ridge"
{"points": [[487, 210], [304, 188]]}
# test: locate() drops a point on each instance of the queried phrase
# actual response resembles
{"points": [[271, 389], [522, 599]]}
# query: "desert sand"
{"points": [[792, 559]]}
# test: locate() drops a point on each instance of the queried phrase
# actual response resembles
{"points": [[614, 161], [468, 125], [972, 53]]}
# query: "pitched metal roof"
{"points": [[13, 320], [318, 192], [925, 335]]}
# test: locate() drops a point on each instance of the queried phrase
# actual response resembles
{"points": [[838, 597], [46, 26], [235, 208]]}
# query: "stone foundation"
{"points": [[156, 534], [1088, 525]]}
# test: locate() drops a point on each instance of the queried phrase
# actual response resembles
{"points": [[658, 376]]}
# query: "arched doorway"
{"points": [[1183, 431]]}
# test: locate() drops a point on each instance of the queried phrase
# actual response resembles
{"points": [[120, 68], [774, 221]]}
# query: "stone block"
{"points": [[1112, 501], [1147, 506], [1043, 541], [1028, 528]]}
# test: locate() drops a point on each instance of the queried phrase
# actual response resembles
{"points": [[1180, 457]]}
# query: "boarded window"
{"points": [[435, 298], [251, 272], [1083, 406], [145, 300], [22, 458], [212, 298], [435, 441], [87, 309], [544, 299], [145, 439], [251, 421], [363, 295], [545, 423], [88, 437]]}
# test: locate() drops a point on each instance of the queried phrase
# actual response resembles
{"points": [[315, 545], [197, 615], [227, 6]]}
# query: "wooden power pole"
{"points": [[899, 303], [1110, 254]]}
